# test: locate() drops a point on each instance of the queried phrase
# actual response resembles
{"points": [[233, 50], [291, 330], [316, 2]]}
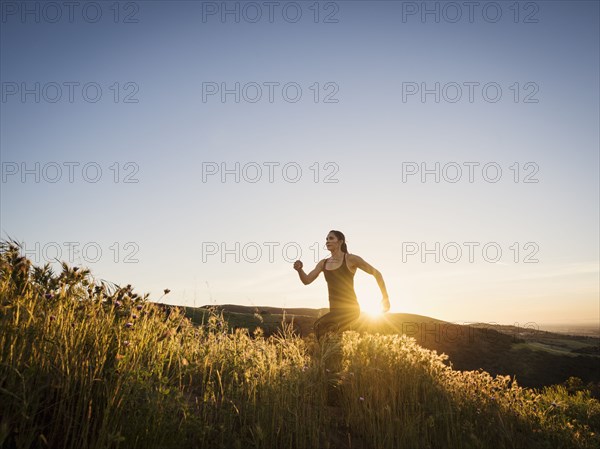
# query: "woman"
{"points": [[339, 272]]}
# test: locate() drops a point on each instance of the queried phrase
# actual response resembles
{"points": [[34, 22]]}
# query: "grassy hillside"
{"points": [[88, 365], [536, 358]]}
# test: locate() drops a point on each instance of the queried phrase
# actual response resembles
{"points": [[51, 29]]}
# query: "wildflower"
{"points": [[139, 307], [48, 296], [129, 325], [134, 316], [117, 303], [126, 343], [304, 368], [52, 317]]}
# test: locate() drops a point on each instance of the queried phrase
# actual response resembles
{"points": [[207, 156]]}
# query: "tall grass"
{"points": [[85, 364]]}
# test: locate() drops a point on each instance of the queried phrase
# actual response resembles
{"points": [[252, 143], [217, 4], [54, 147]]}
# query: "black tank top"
{"points": [[340, 283]]}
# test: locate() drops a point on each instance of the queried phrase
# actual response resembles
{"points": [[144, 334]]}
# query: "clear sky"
{"points": [[118, 120]]}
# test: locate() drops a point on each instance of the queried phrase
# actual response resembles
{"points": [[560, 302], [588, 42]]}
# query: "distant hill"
{"points": [[273, 310], [536, 358]]}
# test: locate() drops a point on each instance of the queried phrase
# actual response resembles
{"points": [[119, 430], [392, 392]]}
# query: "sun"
{"points": [[369, 299], [372, 310]]}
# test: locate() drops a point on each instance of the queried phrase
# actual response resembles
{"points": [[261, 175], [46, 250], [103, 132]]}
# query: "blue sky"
{"points": [[161, 131]]}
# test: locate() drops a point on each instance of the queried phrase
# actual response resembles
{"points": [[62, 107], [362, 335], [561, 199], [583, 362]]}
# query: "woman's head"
{"points": [[336, 238]]}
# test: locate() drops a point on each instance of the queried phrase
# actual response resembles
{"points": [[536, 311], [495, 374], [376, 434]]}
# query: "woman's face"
{"points": [[332, 243]]}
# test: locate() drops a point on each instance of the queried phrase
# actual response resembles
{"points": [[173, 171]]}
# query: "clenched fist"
{"points": [[298, 265]]}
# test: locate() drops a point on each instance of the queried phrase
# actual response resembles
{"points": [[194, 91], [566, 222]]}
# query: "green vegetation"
{"points": [[84, 364], [535, 346]]}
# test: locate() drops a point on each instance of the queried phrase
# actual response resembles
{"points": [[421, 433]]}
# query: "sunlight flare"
{"points": [[372, 309]]}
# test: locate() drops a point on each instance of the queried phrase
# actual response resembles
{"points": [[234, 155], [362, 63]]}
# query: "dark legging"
{"points": [[336, 320]]}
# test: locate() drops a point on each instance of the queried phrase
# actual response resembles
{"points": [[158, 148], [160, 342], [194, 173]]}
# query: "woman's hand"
{"points": [[385, 304], [298, 265]]}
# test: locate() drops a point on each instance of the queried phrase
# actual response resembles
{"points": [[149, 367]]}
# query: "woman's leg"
{"points": [[327, 323], [335, 321], [347, 318]]}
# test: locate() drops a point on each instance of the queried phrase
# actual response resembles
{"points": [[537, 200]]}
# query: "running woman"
{"points": [[339, 270]]}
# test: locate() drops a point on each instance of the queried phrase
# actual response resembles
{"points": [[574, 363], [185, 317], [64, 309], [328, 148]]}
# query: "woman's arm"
{"points": [[308, 278], [367, 268]]}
